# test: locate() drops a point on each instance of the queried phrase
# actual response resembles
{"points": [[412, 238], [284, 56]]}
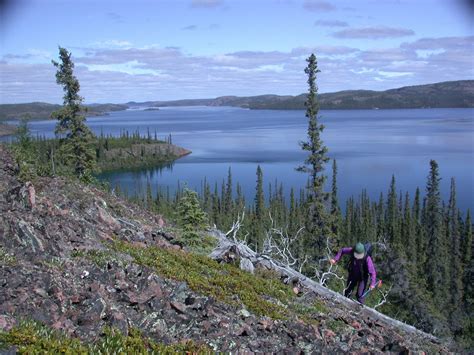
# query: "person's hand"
{"points": [[332, 261], [372, 287]]}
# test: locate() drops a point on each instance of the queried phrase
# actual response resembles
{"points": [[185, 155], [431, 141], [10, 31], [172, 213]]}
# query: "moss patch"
{"points": [[33, 338], [6, 259], [99, 257]]}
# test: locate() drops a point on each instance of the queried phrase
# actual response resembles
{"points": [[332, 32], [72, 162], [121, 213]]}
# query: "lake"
{"points": [[369, 146]]}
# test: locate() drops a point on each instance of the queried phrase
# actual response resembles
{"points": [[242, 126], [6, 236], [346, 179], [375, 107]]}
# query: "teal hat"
{"points": [[359, 251]]}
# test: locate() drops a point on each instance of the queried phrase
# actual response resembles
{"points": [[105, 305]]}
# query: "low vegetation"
{"points": [[33, 338], [226, 283]]}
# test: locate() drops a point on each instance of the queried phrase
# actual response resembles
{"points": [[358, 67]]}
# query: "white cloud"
{"points": [[393, 74], [377, 32], [112, 43], [156, 73], [318, 5]]}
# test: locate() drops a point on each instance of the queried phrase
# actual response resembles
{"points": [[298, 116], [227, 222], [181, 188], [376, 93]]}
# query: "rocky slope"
{"points": [[75, 258]]}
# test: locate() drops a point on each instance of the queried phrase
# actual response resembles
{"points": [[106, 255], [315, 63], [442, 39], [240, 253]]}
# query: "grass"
{"points": [[33, 338]]}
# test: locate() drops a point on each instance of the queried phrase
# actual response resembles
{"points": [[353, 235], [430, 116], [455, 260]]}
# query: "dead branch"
{"points": [[278, 244], [323, 276], [384, 297], [234, 230]]}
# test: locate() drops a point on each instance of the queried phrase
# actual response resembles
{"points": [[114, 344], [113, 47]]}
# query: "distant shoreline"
{"points": [[450, 94], [7, 129]]}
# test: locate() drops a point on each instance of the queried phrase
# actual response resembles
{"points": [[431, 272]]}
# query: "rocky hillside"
{"points": [[77, 259]]}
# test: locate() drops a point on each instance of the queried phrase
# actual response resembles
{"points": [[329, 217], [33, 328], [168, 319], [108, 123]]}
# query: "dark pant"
{"points": [[351, 283]]}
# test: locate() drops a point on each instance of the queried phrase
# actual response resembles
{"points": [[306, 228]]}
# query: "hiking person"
{"points": [[360, 266]]}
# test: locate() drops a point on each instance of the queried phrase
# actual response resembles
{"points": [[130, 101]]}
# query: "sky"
{"points": [[145, 50]]}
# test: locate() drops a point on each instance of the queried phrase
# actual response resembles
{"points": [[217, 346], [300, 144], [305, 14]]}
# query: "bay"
{"points": [[369, 146]]}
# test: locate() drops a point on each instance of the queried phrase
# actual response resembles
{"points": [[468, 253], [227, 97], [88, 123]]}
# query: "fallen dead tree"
{"points": [[237, 251]]}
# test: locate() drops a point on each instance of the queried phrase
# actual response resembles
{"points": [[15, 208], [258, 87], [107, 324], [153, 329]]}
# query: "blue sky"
{"points": [[161, 50]]}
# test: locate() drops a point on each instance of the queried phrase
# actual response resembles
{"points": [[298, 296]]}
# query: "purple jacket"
{"points": [[370, 264]]}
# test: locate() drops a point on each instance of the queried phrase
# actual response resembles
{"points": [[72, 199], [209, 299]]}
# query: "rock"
{"points": [[178, 307], [28, 195], [395, 347], [244, 313], [118, 321], [246, 265], [107, 219], [356, 325], [329, 334], [27, 237], [6, 322], [94, 312], [161, 222], [189, 300], [244, 330], [266, 324]]}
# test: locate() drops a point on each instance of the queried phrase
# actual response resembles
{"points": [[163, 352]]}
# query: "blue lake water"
{"points": [[369, 146]]}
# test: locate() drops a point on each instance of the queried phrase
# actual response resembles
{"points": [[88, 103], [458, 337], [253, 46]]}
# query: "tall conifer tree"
{"points": [[317, 225], [76, 147], [436, 268], [454, 241], [392, 217], [335, 210]]}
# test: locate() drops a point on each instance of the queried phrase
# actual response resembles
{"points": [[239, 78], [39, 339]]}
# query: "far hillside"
{"points": [[42, 110], [446, 94]]}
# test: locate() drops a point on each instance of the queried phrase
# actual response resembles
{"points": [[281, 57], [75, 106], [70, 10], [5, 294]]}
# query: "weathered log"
{"points": [[243, 251]]}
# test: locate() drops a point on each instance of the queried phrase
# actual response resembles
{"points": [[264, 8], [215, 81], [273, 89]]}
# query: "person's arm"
{"points": [[341, 252], [372, 272]]}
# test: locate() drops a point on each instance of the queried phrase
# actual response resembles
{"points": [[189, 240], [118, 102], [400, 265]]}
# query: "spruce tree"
{"points": [[380, 218], [420, 240], [228, 194], [191, 217], [216, 206], [468, 328], [317, 225], [454, 240], [392, 217], [436, 268], [408, 233], [259, 196], [467, 257], [335, 210], [76, 148], [467, 240], [293, 212]]}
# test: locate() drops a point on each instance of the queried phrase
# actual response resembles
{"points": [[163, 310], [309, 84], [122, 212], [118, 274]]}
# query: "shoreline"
{"points": [[7, 129]]}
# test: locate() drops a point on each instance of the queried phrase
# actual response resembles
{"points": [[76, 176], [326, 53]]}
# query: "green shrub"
{"points": [[191, 217]]}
